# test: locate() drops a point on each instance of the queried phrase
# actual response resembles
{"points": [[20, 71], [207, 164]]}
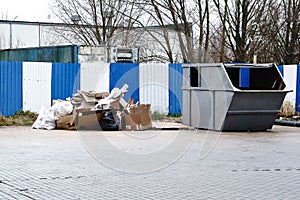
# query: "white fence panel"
{"points": [[154, 86], [290, 79], [36, 85], [94, 76]]}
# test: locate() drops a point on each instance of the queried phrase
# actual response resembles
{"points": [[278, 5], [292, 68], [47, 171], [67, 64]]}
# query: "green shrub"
{"points": [[174, 115], [20, 118]]}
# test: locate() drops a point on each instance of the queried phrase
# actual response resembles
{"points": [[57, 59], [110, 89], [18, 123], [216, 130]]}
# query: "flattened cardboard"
{"points": [[146, 121], [132, 121], [66, 122]]}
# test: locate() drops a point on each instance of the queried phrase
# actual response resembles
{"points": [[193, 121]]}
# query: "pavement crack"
{"points": [[266, 170], [61, 178]]}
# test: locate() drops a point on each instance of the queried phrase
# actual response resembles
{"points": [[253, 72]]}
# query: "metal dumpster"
{"points": [[232, 97]]}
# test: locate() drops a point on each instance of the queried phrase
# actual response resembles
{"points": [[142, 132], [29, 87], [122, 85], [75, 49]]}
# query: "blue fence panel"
{"points": [[175, 89], [244, 77], [65, 80], [125, 73], [280, 68], [10, 88], [298, 90]]}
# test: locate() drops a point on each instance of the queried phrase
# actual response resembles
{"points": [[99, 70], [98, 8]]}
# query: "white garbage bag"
{"points": [[62, 108], [45, 120]]}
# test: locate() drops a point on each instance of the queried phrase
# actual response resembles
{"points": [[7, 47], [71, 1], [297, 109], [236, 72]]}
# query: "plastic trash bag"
{"points": [[108, 122], [62, 108], [45, 120]]}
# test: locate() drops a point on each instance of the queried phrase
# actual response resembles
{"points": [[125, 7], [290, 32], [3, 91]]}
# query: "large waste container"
{"points": [[232, 97]]}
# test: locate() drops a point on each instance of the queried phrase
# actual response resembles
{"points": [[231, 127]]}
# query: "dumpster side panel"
{"points": [[212, 76], [186, 77], [202, 109], [215, 78], [253, 110], [208, 108], [205, 106], [222, 100], [257, 101], [248, 122], [186, 107], [186, 96]]}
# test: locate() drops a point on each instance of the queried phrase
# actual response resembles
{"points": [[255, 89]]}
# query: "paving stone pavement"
{"points": [[184, 164]]}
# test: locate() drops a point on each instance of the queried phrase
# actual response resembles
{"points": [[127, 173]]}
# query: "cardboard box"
{"points": [[132, 122], [138, 118], [66, 122], [146, 121], [89, 119]]}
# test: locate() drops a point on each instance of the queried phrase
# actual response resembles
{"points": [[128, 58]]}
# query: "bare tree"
{"points": [[291, 30], [201, 22], [280, 31], [101, 22], [269, 50], [95, 21], [239, 19], [181, 17]]}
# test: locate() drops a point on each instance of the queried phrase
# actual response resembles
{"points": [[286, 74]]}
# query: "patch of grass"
{"points": [[158, 116], [174, 115], [176, 118], [20, 118], [6, 121]]}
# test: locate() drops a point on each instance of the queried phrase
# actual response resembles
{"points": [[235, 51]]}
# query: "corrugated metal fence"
{"points": [[291, 76], [157, 84], [175, 91], [10, 87], [125, 73], [30, 85]]}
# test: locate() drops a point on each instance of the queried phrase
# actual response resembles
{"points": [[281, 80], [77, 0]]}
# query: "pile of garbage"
{"points": [[95, 111]]}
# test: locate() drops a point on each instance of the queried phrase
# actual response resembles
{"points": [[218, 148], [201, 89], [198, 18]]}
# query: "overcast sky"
{"points": [[25, 10]]}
